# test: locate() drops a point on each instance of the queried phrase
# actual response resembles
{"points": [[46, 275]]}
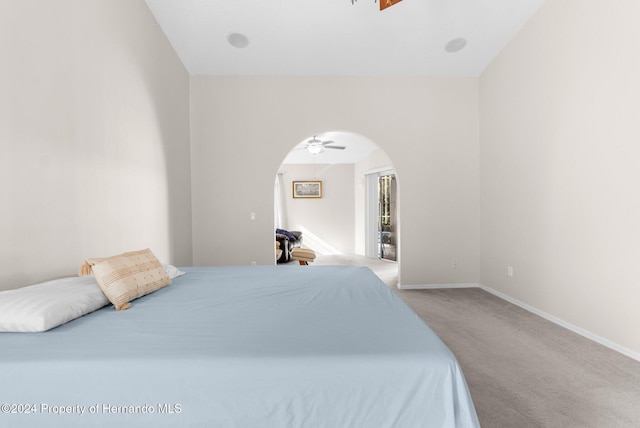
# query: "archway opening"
{"points": [[339, 218]]}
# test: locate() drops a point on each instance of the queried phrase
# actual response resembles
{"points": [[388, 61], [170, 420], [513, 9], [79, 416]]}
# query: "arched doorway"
{"points": [[336, 225]]}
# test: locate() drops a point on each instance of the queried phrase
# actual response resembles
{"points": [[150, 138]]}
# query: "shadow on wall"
{"points": [[166, 81]]}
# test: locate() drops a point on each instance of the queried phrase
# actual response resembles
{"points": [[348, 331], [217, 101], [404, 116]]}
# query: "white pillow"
{"points": [[43, 306], [172, 271]]}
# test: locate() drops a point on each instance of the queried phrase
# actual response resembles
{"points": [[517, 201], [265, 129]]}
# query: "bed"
{"points": [[260, 346]]}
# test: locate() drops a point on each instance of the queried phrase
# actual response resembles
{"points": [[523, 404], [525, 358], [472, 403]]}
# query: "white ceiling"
{"points": [[336, 37]]}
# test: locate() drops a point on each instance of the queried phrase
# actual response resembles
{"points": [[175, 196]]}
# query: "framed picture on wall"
{"points": [[307, 189]]}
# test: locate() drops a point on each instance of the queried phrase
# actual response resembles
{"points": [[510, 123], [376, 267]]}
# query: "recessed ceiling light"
{"points": [[455, 45], [238, 40]]}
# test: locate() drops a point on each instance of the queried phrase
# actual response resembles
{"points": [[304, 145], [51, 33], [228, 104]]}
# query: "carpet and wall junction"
{"points": [[522, 370]]}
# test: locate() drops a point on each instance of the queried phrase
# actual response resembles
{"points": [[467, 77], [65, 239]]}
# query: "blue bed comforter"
{"points": [[255, 347]]}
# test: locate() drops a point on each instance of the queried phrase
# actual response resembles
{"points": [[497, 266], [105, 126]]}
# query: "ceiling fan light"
{"points": [[314, 149]]}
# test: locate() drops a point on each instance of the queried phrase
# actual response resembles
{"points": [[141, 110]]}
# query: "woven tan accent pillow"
{"points": [[128, 276]]}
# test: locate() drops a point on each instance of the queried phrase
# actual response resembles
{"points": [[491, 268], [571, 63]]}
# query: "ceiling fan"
{"points": [[315, 146]]}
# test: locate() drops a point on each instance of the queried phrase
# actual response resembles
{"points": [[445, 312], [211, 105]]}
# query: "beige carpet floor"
{"points": [[522, 370], [386, 270]]}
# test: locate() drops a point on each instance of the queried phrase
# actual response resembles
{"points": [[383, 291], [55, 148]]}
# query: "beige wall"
{"points": [[327, 223], [243, 127], [94, 136], [559, 156]]}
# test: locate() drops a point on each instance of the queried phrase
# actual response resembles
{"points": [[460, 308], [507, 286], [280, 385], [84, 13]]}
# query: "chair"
{"points": [[288, 241]]}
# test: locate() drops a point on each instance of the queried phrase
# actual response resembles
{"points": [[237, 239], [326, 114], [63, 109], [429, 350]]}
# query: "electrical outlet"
{"points": [[509, 270], [253, 216], [454, 264]]}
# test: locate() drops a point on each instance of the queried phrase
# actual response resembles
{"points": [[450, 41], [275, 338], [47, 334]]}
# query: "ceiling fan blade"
{"points": [[335, 147], [324, 143]]}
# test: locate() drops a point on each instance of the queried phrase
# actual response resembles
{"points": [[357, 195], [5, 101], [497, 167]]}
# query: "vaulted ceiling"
{"points": [[340, 37]]}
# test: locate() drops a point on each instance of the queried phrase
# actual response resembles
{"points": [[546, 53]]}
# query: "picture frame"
{"points": [[307, 189]]}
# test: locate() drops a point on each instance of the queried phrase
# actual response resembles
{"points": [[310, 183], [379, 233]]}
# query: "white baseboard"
{"points": [[582, 332], [436, 286]]}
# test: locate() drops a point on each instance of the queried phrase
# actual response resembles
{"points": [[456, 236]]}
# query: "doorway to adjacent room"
{"points": [[355, 218], [381, 215]]}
